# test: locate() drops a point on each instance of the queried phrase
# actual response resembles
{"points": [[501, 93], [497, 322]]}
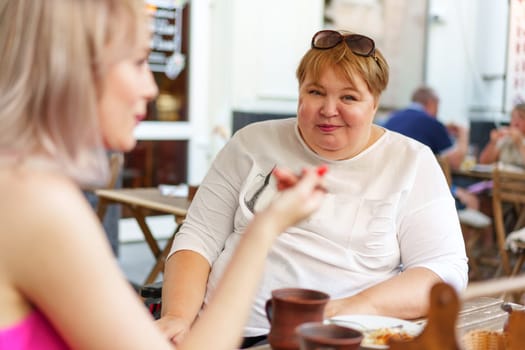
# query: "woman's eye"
{"points": [[314, 92], [349, 98], [141, 62], [142, 59]]}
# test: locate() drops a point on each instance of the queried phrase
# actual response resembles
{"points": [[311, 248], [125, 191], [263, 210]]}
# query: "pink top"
{"points": [[33, 333]]}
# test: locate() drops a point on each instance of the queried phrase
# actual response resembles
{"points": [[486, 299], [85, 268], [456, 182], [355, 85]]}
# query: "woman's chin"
{"points": [[130, 145], [124, 146]]}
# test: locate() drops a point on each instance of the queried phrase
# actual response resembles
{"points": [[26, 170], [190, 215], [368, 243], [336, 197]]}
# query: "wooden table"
{"points": [[478, 313], [138, 200], [481, 175]]}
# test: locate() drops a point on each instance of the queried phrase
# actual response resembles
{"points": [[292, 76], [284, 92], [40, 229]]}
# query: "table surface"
{"points": [[479, 313], [149, 198], [473, 173], [484, 171], [139, 200]]}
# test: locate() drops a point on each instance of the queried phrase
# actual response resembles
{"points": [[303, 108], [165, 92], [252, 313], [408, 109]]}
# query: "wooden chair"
{"points": [[508, 193], [472, 229], [445, 167]]}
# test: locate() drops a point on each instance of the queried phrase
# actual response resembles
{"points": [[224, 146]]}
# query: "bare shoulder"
{"points": [[37, 205], [37, 192]]}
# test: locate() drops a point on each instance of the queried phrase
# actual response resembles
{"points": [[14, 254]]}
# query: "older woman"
{"points": [[507, 144], [386, 232]]}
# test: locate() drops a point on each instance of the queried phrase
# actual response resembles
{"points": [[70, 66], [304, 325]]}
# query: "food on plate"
{"points": [[382, 336]]}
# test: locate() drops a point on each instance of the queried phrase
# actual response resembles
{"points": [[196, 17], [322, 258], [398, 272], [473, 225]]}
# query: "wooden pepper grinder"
{"points": [[440, 330], [515, 328]]}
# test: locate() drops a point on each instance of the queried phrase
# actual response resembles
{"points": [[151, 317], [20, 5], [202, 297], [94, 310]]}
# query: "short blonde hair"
{"points": [[374, 69], [55, 54]]}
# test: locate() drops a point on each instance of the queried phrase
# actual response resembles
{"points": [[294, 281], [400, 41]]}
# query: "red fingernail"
{"points": [[322, 169]]}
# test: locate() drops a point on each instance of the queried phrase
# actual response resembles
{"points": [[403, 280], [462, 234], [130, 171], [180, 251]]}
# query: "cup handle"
{"points": [[268, 308]]}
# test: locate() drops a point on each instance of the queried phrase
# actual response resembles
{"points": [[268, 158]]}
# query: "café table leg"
{"points": [[150, 240], [101, 209], [161, 258]]}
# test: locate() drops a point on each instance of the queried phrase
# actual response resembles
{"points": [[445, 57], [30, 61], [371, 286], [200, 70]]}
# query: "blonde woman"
{"points": [[75, 80]]}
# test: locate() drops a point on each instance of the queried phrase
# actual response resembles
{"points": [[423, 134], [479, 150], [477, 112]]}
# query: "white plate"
{"points": [[371, 322]]}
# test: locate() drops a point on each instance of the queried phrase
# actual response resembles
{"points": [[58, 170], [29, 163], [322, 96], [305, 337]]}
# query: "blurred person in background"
{"points": [[419, 121], [507, 144]]}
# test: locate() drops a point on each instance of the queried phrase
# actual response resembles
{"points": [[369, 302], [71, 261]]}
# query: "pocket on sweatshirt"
{"points": [[373, 239]]}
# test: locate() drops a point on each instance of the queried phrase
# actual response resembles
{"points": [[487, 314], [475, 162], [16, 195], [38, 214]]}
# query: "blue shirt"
{"points": [[415, 123]]}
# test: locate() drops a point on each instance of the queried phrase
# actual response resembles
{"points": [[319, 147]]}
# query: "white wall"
{"points": [[220, 71], [466, 57], [198, 108], [404, 47], [269, 39], [491, 47], [450, 56], [255, 47], [515, 73]]}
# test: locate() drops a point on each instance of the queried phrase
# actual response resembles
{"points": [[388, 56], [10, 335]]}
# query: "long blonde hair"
{"points": [[55, 54]]}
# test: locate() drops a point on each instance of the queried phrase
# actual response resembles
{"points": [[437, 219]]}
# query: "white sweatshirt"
{"points": [[387, 209]]}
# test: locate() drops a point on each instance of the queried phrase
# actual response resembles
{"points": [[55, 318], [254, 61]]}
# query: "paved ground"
{"points": [[135, 257], [136, 260]]}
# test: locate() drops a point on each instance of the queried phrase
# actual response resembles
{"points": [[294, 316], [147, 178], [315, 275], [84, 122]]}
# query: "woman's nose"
{"points": [[151, 89], [329, 107]]}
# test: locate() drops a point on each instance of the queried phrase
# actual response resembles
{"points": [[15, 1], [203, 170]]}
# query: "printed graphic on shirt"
{"points": [[259, 192]]}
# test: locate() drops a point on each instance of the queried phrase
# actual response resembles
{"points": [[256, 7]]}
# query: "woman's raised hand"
{"points": [[300, 195]]}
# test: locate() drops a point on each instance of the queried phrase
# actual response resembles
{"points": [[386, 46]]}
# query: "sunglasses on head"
{"points": [[359, 44]]}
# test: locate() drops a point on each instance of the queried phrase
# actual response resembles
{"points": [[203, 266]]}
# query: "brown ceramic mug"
{"points": [[317, 335], [287, 309]]}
